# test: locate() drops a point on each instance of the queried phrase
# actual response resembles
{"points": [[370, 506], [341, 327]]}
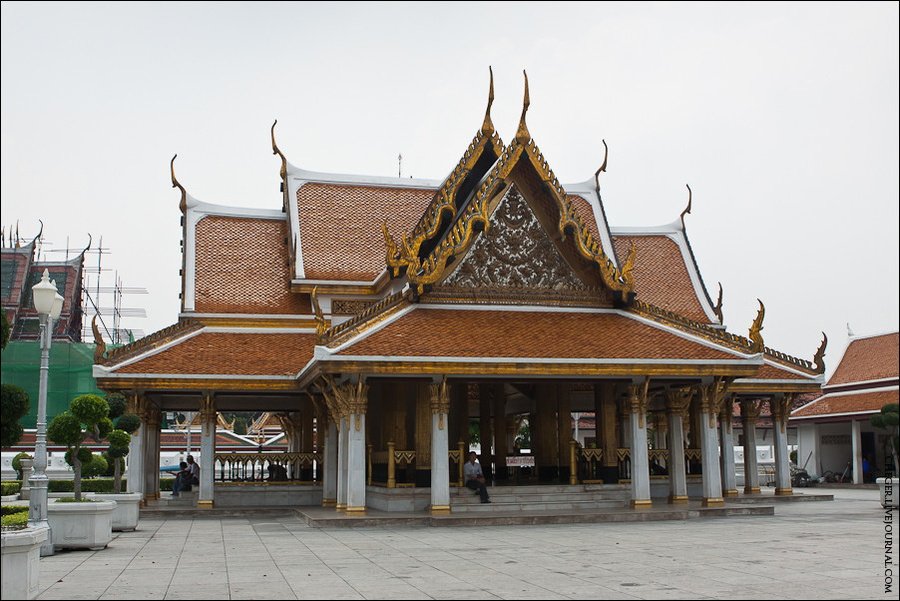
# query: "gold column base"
{"points": [[142, 504], [205, 504], [340, 506], [752, 490], [674, 500], [730, 494], [783, 492], [329, 502], [713, 502], [439, 510], [641, 504], [154, 496], [355, 510]]}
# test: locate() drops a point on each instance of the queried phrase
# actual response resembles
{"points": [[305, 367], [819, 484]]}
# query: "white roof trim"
{"points": [[851, 340], [829, 415], [588, 191], [197, 376], [101, 371], [302, 176], [543, 360], [832, 395], [327, 352], [257, 330], [193, 315], [674, 232], [818, 377], [860, 383]]}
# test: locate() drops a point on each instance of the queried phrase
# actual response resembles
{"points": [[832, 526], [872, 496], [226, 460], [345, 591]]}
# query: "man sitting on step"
{"points": [[186, 477], [475, 477]]}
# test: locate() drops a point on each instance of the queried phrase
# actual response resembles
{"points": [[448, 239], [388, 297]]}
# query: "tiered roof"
{"points": [[416, 275]]}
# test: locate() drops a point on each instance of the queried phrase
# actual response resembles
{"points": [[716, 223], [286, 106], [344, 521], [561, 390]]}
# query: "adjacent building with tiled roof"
{"points": [[377, 317], [834, 432]]}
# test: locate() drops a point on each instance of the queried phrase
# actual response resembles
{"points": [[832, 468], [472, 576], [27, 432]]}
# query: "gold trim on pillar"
{"points": [[783, 492], [329, 502], [712, 396], [641, 504], [439, 510], [205, 504], [207, 410], [677, 499], [638, 400], [713, 502], [730, 493], [340, 506], [781, 410], [355, 511], [752, 490], [440, 400]]}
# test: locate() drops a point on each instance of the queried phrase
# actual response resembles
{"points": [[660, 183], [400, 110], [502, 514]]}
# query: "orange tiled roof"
{"points": [[854, 402], [532, 334], [340, 227], [241, 354], [873, 358], [660, 275], [771, 372], [243, 266], [587, 213]]}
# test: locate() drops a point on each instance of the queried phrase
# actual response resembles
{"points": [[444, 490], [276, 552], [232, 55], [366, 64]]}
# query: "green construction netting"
{"points": [[69, 376]]}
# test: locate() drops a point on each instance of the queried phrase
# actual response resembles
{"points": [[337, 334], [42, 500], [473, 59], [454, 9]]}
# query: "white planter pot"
{"points": [[21, 562], [890, 490], [127, 512], [85, 525]]}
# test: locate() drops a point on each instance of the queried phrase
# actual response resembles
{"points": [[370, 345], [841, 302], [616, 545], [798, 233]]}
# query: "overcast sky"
{"points": [[783, 118]]}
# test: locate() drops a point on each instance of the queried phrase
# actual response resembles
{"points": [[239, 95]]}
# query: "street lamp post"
{"points": [[48, 303]]}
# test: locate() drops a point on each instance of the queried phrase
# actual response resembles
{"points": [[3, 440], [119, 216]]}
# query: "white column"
{"points": [[808, 448], [356, 465], [640, 462], [780, 410], [729, 478], [342, 465], [751, 467], [330, 459], [856, 444], [709, 458], [136, 452], [677, 477], [440, 464], [208, 415]]}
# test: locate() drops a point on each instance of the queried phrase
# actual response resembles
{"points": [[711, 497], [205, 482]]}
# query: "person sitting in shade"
{"points": [[186, 477], [475, 477]]}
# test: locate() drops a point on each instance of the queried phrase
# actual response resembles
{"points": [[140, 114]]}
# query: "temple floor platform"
{"points": [[560, 504]]}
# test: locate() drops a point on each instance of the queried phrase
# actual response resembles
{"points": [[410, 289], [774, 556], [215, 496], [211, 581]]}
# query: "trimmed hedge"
{"points": [[10, 488], [15, 519], [12, 509]]}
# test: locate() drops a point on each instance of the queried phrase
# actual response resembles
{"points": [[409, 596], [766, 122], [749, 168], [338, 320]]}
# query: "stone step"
{"points": [[551, 507], [503, 497]]}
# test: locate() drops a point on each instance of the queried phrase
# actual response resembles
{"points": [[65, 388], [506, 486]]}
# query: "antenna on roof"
{"points": [[399, 165], [850, 333]]}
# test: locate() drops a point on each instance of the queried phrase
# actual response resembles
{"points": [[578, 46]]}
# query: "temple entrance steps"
{"points": [[542, 498], [185, 499]]}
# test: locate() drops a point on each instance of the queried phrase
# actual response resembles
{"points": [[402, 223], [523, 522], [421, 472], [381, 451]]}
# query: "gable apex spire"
{"points": [[522, 135], [488, 127]]}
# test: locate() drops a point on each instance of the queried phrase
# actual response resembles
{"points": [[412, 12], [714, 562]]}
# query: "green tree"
{"points": [[14, 405], [889, 419], [86, 419], [240, 425], [4, 330]]}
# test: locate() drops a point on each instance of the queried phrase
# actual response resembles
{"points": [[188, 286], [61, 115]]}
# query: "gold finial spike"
{"points": [[757, 345], [278, 152], [522, 135], [819, 358], [488, 127], [688, 208], [183, 204], [100, 348], [321, 327], [603, 166], [718, 308]]}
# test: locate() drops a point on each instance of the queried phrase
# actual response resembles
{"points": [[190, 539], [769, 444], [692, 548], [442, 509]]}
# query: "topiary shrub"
{"points": [[17, 463], [120, 444], [15, 520], [11, 509], [10, 488], [87, 418], [14, 405]]}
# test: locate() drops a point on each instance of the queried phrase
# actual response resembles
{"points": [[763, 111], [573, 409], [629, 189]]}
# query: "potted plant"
{"points": [[81, 524], [21, 548], [888, 419], [127, 512]]}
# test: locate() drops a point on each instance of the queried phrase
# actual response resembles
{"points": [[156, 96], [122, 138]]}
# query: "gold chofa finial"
{"points": [[688, 208], [718, 308], [819, 359], [756, 340], [522, 135], [488, 127], [183, 204], [603, 166], [100, 348], [321, 326], [278, 152]]}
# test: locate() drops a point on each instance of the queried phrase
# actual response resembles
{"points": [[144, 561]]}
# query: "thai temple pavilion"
{"points": [[379, 317]]}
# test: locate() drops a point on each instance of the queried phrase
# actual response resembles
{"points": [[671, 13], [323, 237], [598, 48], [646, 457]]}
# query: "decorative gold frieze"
{"points": [[781, 409], [638, 400], [321, 326], [712, 396], [207, 410], [139, 405], [678, 402], [750, 411], [440, 400]]}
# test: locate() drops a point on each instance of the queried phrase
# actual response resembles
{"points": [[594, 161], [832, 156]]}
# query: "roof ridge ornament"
{"points": [[522, 134], [756, 340], [819, 358], [603, 166], [687, 209], [321, 326], [182, 206], [275, 150], [488, 127], [718, 308]]}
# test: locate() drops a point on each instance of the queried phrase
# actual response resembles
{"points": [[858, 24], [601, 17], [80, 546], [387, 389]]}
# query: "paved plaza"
{"points": [[807, 550]]}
